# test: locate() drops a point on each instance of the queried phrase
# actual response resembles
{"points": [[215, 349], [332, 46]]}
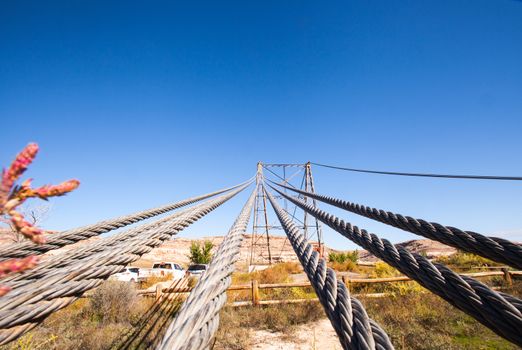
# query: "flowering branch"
{"points": [[12, 196]]}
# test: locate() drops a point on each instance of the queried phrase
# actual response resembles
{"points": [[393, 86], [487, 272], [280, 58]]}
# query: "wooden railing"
{"points": [[254, 287]]}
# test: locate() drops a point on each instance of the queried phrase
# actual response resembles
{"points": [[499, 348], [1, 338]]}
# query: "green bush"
{"points": [[201, 253], [344, 257], [464, 260]]}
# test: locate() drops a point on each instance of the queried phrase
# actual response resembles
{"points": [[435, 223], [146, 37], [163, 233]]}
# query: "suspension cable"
{"points": [[24, 307], [198, 319], [347, 315], [446, 176], [58, 240], [500, 312], [494, 248]]}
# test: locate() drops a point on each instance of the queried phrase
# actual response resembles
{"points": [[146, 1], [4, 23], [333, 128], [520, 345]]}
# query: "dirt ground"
{"points": [[317, 335]]}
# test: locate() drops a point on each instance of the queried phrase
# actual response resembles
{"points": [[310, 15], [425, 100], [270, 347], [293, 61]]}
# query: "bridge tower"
{"points": [[293, 175]]}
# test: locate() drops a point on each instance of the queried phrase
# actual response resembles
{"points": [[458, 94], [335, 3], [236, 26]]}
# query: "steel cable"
{"points": [[198, 319], [446, 176], [347, 315], [494, 248], [58, 240], [28, 304], [500, 312]]}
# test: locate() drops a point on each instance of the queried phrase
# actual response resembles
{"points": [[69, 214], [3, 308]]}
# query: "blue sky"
{"points": [[147, 103]]}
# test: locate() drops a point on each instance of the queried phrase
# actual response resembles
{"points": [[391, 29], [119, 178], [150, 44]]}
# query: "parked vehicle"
{"points": [[130, 274], [162, 269], [197, 269]]}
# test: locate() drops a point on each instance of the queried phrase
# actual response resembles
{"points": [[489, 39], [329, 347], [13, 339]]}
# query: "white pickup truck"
{"points": [[163, 269]]}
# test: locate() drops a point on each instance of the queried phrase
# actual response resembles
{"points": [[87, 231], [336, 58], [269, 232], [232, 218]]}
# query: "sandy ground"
{"points": [[317, 335]]}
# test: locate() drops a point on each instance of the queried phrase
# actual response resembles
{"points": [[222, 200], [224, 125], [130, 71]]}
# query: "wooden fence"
{"points": [[254, 287]]}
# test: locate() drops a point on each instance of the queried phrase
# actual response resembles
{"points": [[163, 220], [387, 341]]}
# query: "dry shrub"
{"points": [[88, 324], [113, 301], [347, 265]]}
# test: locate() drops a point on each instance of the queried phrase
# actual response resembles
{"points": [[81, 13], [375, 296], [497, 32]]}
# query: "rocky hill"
{"points": [[429, 248], [281, 250], [177, 250]]}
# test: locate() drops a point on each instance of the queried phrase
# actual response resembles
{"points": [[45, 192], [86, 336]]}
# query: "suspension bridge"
{"points": [[61, 279]]}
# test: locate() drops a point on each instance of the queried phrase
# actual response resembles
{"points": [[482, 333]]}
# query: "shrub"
{"points": [[342, 257], [201, 253], [462, 260], [382, 270], [113, 301], [344, 266]]}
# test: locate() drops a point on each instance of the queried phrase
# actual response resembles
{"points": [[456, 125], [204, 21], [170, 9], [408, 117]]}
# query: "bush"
{"points": [[95, 323], [113, 301], [352, 256], [344, 266], [201, 253], [462, 260], [382, 270]]}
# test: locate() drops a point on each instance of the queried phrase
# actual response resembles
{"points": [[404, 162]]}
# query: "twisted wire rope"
{"points": [[58, 240], [89, 260], [47, 267], [198, 319], [28, 304], [494, 248], [500, 312], [347, 315]]}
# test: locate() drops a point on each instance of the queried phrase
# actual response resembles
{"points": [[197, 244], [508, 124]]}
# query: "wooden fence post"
{"points": [[346, 281], [159, 287], [507, 276], [255, 292]]}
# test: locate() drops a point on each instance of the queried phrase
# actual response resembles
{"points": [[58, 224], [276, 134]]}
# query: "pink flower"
{"points": [[15, 266], [56, 190], [17, 168]]}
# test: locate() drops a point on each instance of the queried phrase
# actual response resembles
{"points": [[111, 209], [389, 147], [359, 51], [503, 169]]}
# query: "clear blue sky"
{"points": [[150, 102]]}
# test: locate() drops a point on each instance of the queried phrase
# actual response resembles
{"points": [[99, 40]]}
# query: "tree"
{"points": [[35, 215], [201, 253]]}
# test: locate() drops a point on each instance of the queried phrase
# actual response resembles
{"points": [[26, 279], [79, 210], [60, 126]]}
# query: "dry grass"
{"points": [[237, 323], [465, 261], [425, 321], [414, 318], [347, 265], [153, 280], [93, 323], [277, 273]]}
